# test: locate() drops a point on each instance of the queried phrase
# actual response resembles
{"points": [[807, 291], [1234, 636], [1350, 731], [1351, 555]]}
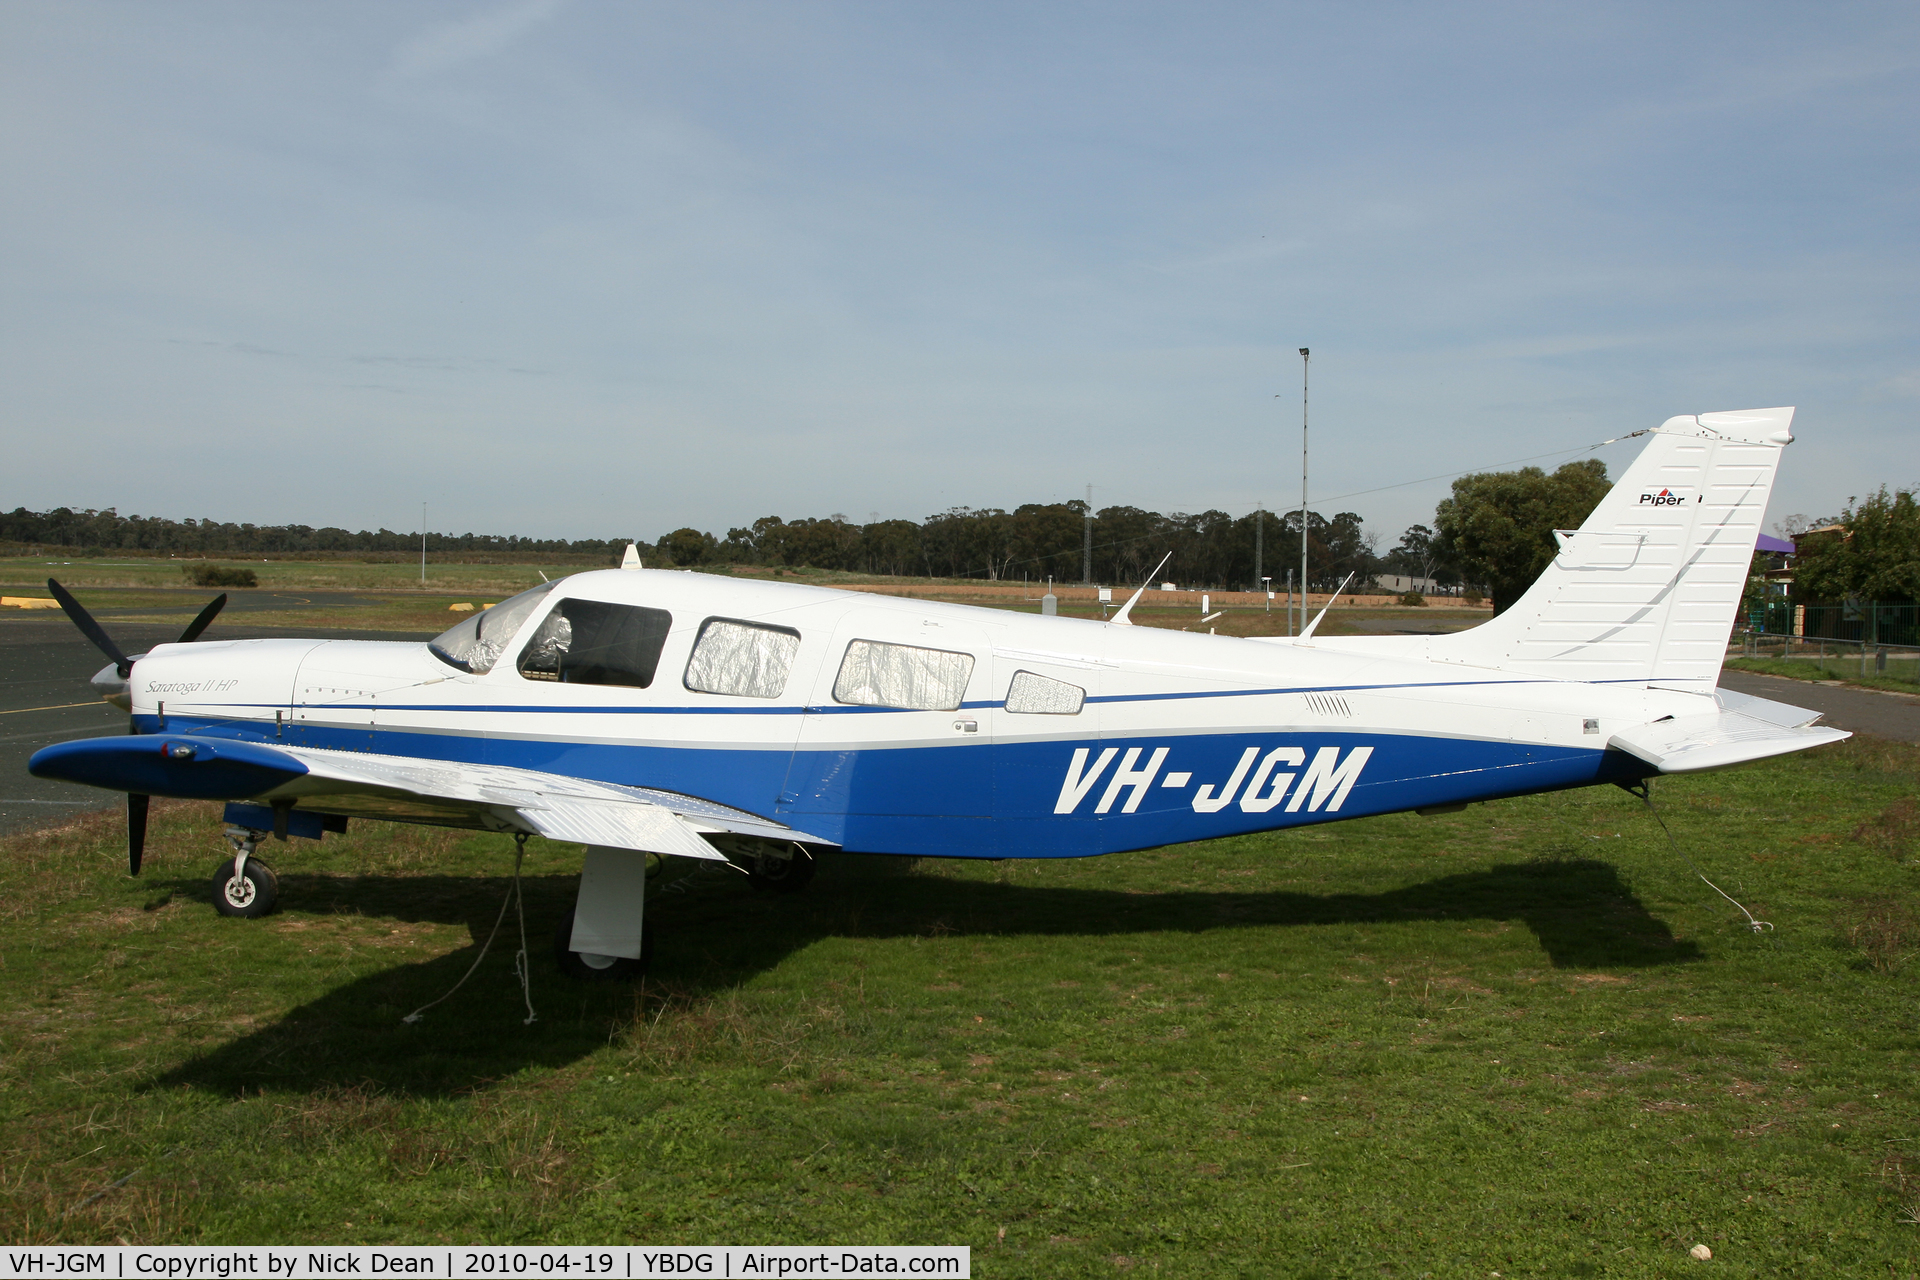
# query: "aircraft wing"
{"points": [[1745, 728], [494, 797]]}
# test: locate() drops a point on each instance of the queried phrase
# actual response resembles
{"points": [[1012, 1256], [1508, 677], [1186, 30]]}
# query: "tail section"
{"points": [[1646, 589]]}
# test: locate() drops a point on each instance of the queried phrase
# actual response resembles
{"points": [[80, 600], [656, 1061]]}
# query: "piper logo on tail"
{"points": [[1268, 775], [1668, 498]]}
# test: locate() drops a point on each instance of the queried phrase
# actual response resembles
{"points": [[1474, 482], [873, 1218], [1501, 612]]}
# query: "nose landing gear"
{"points": [[244, 886]]}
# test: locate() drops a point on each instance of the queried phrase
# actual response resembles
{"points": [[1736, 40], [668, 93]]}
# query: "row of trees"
{"points": [[1496, 530], [1037, 541], [110, 531]]}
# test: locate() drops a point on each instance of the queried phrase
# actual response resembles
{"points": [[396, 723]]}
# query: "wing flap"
{"points": [[1692, 744], [561, 808], [616, 825]]}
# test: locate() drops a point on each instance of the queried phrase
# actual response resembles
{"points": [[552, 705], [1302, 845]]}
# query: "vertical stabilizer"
{"points": [[1646, 589]]}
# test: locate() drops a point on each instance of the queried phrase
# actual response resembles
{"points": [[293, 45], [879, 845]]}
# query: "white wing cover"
{"points": [[560, 808]]}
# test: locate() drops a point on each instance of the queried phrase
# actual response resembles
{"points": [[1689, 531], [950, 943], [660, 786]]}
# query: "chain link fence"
{"points": [[1833, 659], [1856, 622]]}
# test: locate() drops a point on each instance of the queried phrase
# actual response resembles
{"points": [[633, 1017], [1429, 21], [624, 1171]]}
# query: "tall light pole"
{"points": [[1259, 534], [1303, 486], [423, 544], [1086, 541]]}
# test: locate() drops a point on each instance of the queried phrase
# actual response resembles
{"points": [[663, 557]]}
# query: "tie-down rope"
{"points": [[521, 967], [1645, 793]]}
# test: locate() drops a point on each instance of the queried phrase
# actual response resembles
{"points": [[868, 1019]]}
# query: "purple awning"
{"points": [[1779, 546]]}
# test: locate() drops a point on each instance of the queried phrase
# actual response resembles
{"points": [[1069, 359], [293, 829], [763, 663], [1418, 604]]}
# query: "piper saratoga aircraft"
{"points": [[643, 712]]}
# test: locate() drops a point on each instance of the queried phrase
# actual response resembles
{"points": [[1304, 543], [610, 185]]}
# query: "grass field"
{"points": [[30, 574], [1522, 1039]]}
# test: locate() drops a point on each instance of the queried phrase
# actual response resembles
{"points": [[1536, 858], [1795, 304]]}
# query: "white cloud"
{"points": [[483, 35]]}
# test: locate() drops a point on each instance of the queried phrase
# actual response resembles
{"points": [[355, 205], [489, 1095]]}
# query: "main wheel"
{"points": [[781, 875], [249, 894], [585, 966]]}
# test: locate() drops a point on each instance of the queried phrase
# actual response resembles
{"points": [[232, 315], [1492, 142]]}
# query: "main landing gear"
{"points": [[780, 870], [244, 886], [603, 938]]}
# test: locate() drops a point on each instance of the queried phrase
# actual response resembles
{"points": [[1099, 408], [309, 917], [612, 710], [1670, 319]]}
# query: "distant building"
{"points": [[1779, 570]]}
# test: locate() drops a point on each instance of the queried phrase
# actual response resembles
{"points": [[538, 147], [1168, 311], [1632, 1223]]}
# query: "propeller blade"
{"points": [[136, 831], [91, 629], [201, 623]]}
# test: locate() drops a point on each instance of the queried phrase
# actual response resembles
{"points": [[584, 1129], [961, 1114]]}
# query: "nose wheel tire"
{"points": [[584, 966], [249, 893]]}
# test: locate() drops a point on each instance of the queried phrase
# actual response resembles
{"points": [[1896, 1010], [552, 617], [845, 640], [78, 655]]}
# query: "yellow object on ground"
{"points": [[29, 602], [460, 608]]}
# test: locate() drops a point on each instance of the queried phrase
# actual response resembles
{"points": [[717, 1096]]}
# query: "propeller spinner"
{"points": [[111, 683]]}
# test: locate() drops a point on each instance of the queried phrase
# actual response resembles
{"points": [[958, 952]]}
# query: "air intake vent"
{"points": [[1331, 705]]}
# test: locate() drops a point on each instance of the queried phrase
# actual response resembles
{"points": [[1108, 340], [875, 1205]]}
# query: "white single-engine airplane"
{"points": [[645, 712]]}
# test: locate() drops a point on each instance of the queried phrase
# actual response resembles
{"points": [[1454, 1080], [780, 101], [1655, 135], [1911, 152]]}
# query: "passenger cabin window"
{"points": [[745, 659], [592, 642], [874, 674], [477, 643], [1030, 694]]}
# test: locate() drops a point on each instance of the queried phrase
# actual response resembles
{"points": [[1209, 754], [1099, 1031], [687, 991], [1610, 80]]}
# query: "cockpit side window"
{"points": [[476, 643], [746, 659], [593, 642]]}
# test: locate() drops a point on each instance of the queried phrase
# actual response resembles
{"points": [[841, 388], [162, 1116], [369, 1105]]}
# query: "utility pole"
{"points": [[1259, 533], [1086, 543], [423, 544], [1303, 487]]}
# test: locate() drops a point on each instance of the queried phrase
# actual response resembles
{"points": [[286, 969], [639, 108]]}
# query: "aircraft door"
{"points": [[895, 751]]}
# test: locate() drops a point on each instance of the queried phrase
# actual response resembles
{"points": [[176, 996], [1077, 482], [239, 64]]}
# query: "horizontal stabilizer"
{"points": [[1765, 709], [1692, 744]]}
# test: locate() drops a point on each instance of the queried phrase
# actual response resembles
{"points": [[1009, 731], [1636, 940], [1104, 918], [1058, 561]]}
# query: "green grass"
{"points": [[1845, 670], [1520, 1039]]}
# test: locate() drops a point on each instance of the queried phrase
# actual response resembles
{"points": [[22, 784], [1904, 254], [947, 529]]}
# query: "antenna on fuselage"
{"points": [[1121, 619], [1307, 634], [631, 560]]}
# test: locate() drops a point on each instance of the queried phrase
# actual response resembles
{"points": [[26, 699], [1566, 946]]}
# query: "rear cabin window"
{"points": [[592, 642], [745, 659], [875, 674], [1043, 695]]}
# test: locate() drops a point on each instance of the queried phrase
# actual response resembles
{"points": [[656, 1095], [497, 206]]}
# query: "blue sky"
{"points": [[595, 269]]}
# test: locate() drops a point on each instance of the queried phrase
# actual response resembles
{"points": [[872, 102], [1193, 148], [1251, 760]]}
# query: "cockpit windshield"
{"points": [[476, 644]]}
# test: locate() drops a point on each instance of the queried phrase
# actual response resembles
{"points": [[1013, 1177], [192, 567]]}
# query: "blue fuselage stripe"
{"points": [[1006, 799]]}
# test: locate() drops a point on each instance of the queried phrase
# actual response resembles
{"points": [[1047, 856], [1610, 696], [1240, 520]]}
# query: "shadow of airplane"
{"points": [[721, 933]]}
